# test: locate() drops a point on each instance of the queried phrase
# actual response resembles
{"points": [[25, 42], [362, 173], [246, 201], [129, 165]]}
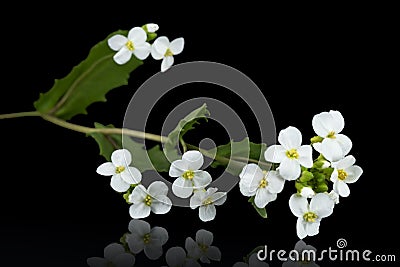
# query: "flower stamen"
{"points": [[130, 45], [263, 183], [168, 53], [119, 169], [188, 175], [207, 202], [146, 238], [292, 154], [310, 216], [342, 174], [148, 200], [331, 135]]}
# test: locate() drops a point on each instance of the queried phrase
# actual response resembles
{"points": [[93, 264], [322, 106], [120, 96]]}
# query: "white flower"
{"points": [[328, 125], [253, 262], [310, 214], [207, 200], [163, 49], [123, 176], [290, 154], [152, 199], [345, 172], [334, 196], [135, 44], [188, 173], [114, 255], [201, 248], [142, 237], [307, 192], [176, 257], [152, 27], [304, 252], [264, 185]]}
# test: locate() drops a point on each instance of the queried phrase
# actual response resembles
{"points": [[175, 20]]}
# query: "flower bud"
{"points": [[316, 139], [151, 27], [306, 176]]}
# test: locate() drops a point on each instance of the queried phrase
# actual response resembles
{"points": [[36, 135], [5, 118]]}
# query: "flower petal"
{"points": [[153, 251], [138, 194], [161, 205], [255, 262], [131, 175], [213, 253], [139, 227], [246, 190], [177, 45], [192, 248], [263, 197], [330, 149], [161, 44], [194, 159], [201, 179], [353, 174], [275, 153], [289, 169], [319, 125], [219, 198], [159, 233], [341, 188], [338, 121], [290, 138], [298, 205], [251, 175], [142, 51], [175, 256], [122, 56], [312, 229], [182, 188], [275, 182], [139, 210], [155, 54], [135, 243], [344, 163], [197, 199], [118, 184], [344, 142], [113, 250], [177, 168], [157, 188], [124, 260], [301, 228], [121, 157], [106, 169], [167, 63], [207, 213], [305, 156], [322, 205], [137, 35], [117, 41], [204, 237]]}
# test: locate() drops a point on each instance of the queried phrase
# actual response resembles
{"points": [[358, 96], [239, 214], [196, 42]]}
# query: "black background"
{"points": [[55, 209]]}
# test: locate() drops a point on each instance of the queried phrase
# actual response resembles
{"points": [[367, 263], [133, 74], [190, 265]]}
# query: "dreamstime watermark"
{"points": [[306, 253]]}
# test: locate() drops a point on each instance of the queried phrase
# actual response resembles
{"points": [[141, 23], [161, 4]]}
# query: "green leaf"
{"points": [[186, 124], [262, 212], [87, 83], [239, 152], [144, 160]]}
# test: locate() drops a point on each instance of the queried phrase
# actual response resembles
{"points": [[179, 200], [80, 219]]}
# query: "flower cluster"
{"points": [[294, 162], [136, 43]]}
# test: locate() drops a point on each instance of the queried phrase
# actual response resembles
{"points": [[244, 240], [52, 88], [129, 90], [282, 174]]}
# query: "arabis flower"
{"points": [[165, 50], [307, 192], [345, 172], [334, 196], [206, 201], [152, 199], [202, 248], [188, 173], [151, 27], [135, 44], [123, 176], [310, 214], [290, 153], [176, 257], [262, 184], [142, 237], [328, 125], [114, 255], [304, 259]]}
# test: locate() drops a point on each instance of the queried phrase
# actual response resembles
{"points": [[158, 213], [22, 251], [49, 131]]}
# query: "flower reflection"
{"points": [[177, 257], [304, 259], [114, 255], [201, 248]]}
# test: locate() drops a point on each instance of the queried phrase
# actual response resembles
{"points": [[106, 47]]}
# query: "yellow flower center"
{"points": [[207, 202], [331, 135], [146, 238], [203, 247], [342, 174], [263, 183], [147, 200], [168, 53], [119, 169], [310, 216], [130, 45], [188, 175], [292, 154]]}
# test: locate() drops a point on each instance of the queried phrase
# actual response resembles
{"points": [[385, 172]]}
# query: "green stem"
{"points": [[19, 115]]}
